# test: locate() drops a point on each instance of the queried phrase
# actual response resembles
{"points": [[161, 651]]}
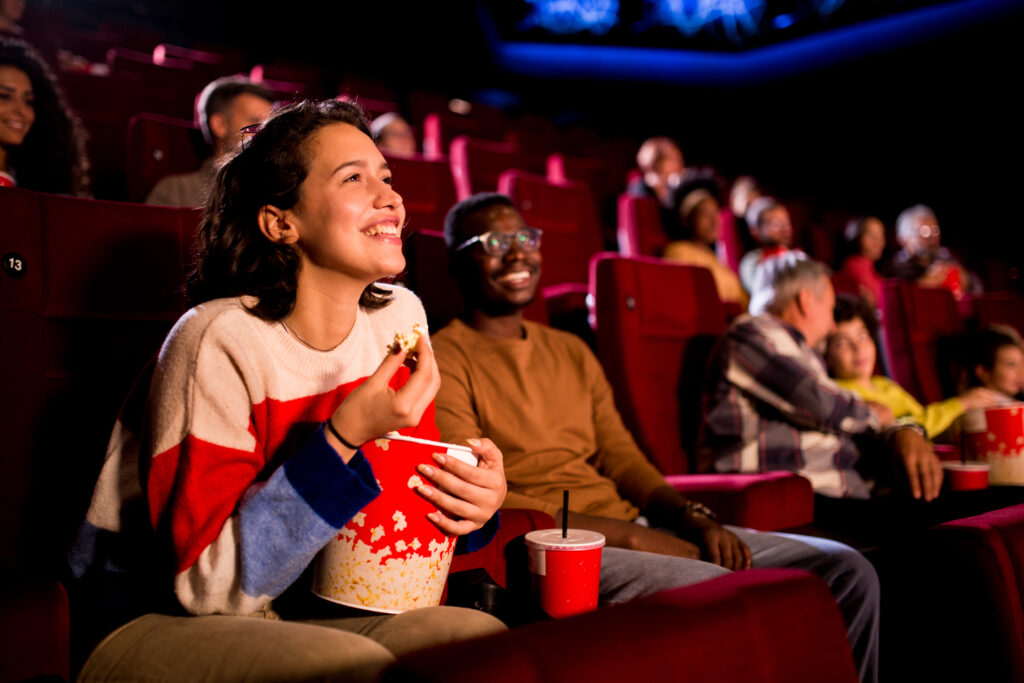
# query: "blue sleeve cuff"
{"points": [[475, 540], [333, 489]]}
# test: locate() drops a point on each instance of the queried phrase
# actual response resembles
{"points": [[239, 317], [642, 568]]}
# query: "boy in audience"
{"points": [[851, 354], [997, 363], [541, 396], [223, 108], [771, 227]]}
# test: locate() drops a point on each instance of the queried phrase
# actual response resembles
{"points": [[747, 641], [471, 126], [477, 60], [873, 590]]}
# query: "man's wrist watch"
{"points": [[692, 506]]}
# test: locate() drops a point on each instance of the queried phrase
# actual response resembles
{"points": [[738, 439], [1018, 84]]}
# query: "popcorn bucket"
{"points": [[996, 436], [389, 557]]}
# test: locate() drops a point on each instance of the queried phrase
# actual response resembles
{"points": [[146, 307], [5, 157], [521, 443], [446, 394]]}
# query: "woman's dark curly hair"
{"points": [[233, 257], [51, 158]]}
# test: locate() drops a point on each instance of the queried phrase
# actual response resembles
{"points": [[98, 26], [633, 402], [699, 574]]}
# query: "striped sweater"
{"points": [[228, 457]]}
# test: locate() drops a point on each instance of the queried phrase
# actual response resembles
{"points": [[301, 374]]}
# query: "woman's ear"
{"points": [[277, 225], [984, 376]]}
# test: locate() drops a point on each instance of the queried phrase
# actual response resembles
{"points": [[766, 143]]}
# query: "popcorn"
{"points": [[406, 341]]}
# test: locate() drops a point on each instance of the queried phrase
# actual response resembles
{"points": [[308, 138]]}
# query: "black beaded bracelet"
{"points": [[339, 437]]}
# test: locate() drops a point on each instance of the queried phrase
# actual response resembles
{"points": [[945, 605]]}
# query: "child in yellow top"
{"points": [[851, 354]]}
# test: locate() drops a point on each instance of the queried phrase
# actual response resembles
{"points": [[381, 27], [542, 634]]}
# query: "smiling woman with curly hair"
{"points": [[42, 144]]}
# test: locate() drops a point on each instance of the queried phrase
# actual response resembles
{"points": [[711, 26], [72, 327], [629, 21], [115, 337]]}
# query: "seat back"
{"points": [[766, 625], [917, 322], [640, 231], [443, 126], [1001, 308], [426, 188], [102, 285], [657, 323], [158, 146], [476, 164]]}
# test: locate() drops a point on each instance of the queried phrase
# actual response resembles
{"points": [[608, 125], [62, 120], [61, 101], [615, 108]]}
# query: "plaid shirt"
{"points": [[770, 405]]}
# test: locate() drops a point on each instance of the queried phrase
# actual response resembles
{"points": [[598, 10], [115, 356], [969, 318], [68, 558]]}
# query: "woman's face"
{"points": [[872, 240], [1007, 373], [706, 222], [17, 106], [348, 218], [851, 351]]}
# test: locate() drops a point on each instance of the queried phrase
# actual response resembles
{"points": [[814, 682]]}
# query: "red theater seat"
{"points": [[916, 320], [640, 231], [657, 323], [476, 164], [441, 127], [426, 188], [158, 146], [1001, 308], [770, 626], [967, 602]]}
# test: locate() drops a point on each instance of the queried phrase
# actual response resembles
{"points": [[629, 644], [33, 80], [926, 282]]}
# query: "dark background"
{"points": [[936, 122]]}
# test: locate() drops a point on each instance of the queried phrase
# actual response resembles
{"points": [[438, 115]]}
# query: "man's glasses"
{"points": [[527, 240]]}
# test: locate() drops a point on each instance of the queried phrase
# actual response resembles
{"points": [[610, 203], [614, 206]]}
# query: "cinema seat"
{"points": [[158, 146], [917, 321], [657, 323], [1000, 308], [769, 626], [476, 164], [426, 187], [443, 126], [640, 232], [960, 590]]}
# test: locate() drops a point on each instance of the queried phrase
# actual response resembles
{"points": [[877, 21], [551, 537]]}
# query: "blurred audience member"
{"points": [[923, 259], [997, 362], [695, 231], [393, 134], [223, 108], [771, 227], [42, 144], [10, 14], [865, 243], [662, 167], [770, 405], [851, 354]]}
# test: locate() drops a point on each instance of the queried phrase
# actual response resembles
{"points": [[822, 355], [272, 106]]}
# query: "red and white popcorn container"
{"points": [[996, 436], [389, 557]]}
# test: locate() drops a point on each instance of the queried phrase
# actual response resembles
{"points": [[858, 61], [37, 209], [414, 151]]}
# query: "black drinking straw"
{"points": [[565, 513]]}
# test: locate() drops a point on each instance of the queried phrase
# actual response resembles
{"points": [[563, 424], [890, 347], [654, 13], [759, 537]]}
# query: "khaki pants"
{"points": [[158, 647]]}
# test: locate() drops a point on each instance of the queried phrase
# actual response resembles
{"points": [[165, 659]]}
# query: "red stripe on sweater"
{"points": [[195, 486]]}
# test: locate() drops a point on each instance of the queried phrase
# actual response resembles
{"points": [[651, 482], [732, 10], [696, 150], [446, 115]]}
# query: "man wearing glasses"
{"points": [[540, 394], [923, 259]]}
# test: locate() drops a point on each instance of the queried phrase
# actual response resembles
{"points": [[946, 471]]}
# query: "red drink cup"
{"points": [[566, 571], [967, 476], [6, 180], [996, 435]]}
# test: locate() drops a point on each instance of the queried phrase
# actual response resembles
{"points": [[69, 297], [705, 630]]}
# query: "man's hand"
{"points": [[720, 546], [924, 471]]}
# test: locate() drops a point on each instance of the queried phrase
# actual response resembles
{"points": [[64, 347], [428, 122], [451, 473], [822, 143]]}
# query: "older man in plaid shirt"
{"points": [[770, 404]]}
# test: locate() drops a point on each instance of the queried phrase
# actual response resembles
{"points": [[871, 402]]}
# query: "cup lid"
{"points": [[576, 539], [969, 466]]}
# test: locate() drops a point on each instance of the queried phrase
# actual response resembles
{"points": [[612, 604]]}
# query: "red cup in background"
{"points": [[6, 180], [566, 571], [966, 476], [996, 435]]}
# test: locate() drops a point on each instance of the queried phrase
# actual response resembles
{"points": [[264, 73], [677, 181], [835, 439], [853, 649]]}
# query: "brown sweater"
{"points": [[545, 402]]}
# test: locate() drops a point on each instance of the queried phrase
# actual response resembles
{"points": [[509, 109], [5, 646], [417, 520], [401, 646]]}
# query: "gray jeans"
{"points": [[629, 574]]}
